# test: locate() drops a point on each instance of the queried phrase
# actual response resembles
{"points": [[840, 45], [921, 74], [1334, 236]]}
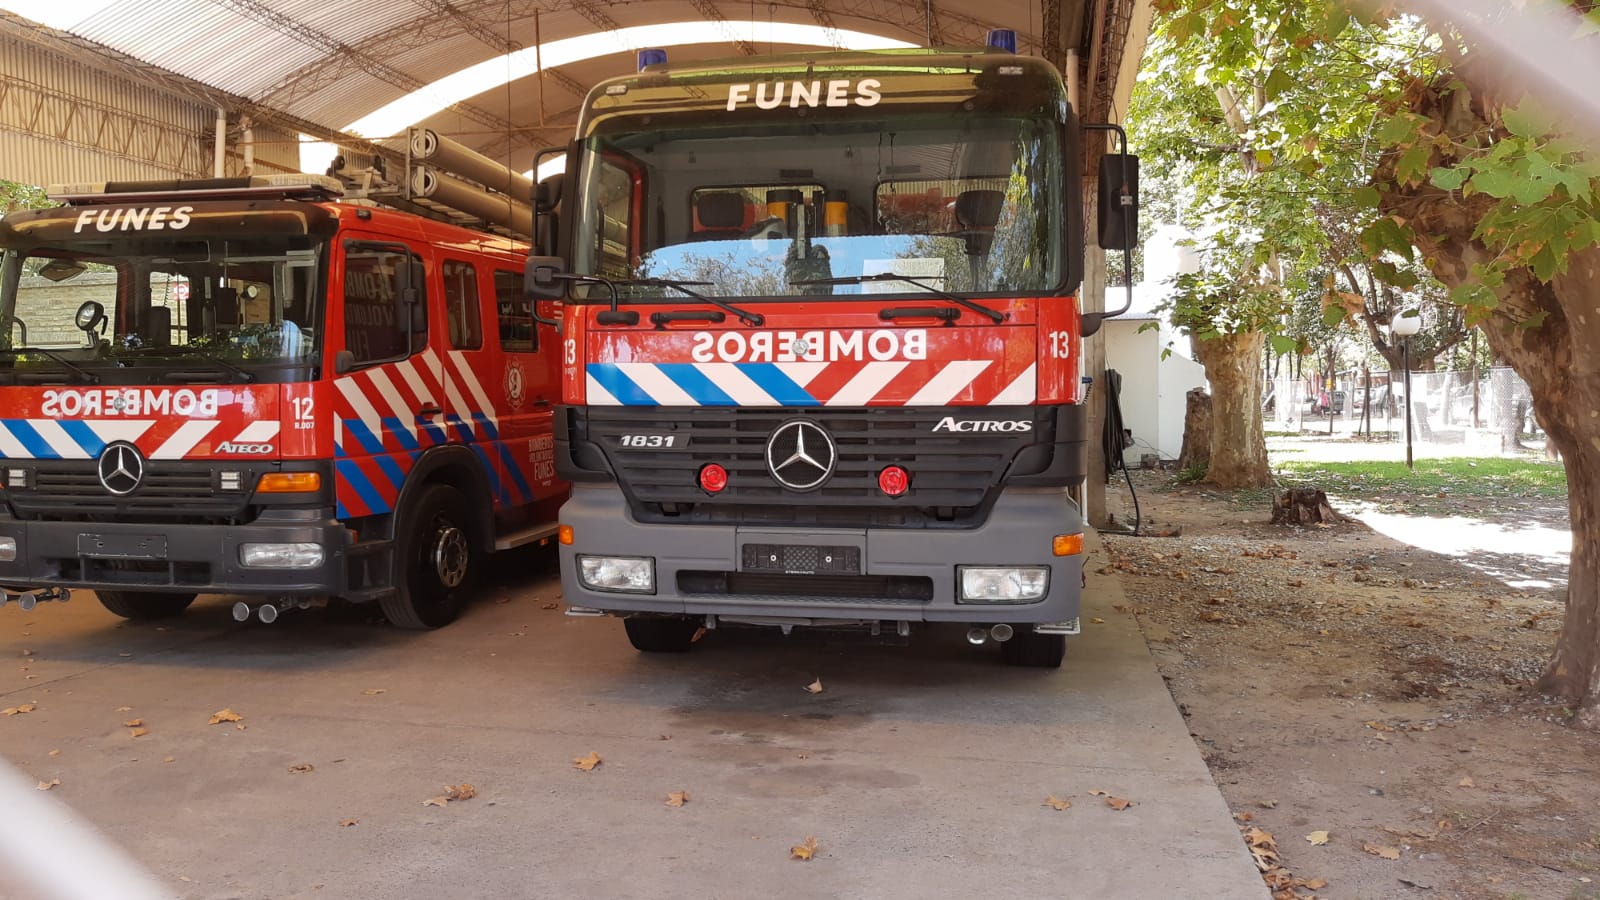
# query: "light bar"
{"points": [[293, 185], [1002, 39], [652, 56]]}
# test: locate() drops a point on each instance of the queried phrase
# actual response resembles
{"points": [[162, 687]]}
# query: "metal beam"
{"points": [[40, 111], [712, 14]]}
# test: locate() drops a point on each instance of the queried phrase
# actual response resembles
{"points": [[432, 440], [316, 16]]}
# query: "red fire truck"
{"points": [[246, 386], [821, 364]]}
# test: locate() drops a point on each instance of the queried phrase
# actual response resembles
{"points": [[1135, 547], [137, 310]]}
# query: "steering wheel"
{"points": [[757, 230]]}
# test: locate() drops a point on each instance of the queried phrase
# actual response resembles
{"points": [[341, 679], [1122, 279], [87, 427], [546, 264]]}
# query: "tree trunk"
{"points": [[1303, 506], [1238, 446], [1196, 430]]}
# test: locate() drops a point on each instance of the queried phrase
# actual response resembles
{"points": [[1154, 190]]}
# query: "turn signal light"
{"points": [[1067, 544], [894, 481], [289, 482], [713, 478], [565, 535]]}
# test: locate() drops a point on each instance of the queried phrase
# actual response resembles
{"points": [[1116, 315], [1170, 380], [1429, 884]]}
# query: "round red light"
{"points": [[713, 478], [894, 481]]}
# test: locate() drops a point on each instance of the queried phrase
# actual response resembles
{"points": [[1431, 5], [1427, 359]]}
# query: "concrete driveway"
{"points": [[920, 769]]}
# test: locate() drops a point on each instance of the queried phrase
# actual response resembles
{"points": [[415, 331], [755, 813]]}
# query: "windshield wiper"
{"points": [[907, 279], [196, 353], [88, 376], [752, 319]]}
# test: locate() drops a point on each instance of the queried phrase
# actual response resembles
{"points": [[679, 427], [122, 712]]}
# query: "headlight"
{"points": [[633, 574], [995, 584], [281, 556]]}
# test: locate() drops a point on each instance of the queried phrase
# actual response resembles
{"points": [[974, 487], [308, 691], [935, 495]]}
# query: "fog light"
{"points": [[8, 549], [995, 584], [894, 481], [281, 556], [17, 478], [230, 480], [713, 478], [631, 574]]}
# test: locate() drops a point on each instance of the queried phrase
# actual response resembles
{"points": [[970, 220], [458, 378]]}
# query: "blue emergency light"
{"points": [[999, 38], [655, 56]]}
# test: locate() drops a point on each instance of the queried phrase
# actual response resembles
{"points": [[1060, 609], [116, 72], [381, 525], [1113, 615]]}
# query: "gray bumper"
{"points": [[1019, 532], [199, 558]]}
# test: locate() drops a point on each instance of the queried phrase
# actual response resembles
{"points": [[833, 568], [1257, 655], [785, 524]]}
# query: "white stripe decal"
{"points": [[736, 384], [183, 440], [598, 395], [661, 389], [1019, 392], [458, 409], [58, 439], [363, 407], [257, 433], [10, 447], [868, 382], [802, 373], [109, 430], [397, 406], [408, 371], [473, 385], [951, 380], [434, 365]]}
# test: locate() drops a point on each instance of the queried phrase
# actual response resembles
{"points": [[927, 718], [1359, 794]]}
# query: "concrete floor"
{"points": [[921, 769]]}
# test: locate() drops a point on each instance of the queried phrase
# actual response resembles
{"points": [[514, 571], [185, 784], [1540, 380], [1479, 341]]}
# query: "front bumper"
{"points": [[688, 558], [176, 557]]}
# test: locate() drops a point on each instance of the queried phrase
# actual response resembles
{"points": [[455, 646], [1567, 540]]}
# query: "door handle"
{"points": [[428, 410], [541, 401]]}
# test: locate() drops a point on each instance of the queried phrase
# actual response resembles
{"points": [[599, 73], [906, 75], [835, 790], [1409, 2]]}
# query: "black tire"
{"points": [[436, 561], [141, 606], [1034, 651], [661, 634]]}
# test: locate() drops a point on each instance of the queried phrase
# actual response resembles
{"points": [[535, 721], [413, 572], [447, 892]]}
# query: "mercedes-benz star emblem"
{"points": [[121, 468], [801, 455]]}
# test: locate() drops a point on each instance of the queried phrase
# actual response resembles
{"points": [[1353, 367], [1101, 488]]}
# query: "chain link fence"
{"points": [[1487, 413]]}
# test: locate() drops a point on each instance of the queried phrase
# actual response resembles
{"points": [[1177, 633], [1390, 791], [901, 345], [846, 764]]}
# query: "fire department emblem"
{"points": [[514, 383]]}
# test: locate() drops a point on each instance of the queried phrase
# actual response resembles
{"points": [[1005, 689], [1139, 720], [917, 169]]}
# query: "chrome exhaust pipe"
{"points": [[241, 611], [27, 602], [1002, 633], [268, 613], [976, 636]]}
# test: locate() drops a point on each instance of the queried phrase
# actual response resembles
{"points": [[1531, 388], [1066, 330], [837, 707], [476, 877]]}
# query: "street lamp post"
{"points": [[1404, 326]]}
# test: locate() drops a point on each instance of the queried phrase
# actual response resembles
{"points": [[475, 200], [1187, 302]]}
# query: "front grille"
{"points": [[70, 490], [907, 589], [953, 474]]}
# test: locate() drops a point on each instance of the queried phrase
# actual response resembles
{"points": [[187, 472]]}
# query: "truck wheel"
{"points": [[1035, 651], [435, 562], [140, 606], [661, 634]]}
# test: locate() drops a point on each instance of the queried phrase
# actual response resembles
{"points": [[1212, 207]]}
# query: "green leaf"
{"points": [[1449, 179], [1332, 316], [1528, 190], [1402, 129], [1413, 163], [1278, 83], [1546, 263], [1366, 196], [1525, 121], [1389, 273], [1264, 158], [1496, 182], [1386, 234]]}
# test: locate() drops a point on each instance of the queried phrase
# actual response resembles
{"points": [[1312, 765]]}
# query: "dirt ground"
{"points": [[1367, 707]]}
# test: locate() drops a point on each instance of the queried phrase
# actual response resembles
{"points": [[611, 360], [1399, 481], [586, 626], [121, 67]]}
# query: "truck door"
{"points": [[528, 361]]}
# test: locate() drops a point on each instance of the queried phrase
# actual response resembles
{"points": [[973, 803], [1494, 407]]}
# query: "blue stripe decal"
{"points": [[390, 468], [510, 462], [494, 477], [339, 511], [463, 430], [490, 432], [619, 385], [37, 446], [694, 383], [338, 450], [782, 388], [435, 433], [363, 435], [358, 482], [83, 436], [398, 429]]}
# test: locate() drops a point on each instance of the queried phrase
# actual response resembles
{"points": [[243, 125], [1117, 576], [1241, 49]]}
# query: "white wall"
{"points": [[1153, 389]]}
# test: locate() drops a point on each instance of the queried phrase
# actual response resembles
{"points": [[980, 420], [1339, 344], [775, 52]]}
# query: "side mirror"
{"points": [[1119, 201], [407, 270], [542, 279], [343, 361]]}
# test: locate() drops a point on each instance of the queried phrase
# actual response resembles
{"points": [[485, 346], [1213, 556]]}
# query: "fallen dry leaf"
{"points": [[18, 710], [138, 732], [677, 798], [1466, 782], [1056, 803], [1211, 615], [814, 687], [301, 768], [372, 692], [47, 785], [224, 715], [587, 763], [124, 709], [1097, 621], [1245, 816], [462, 791], [27, 653], [1378, 726], [1317, 838], [436, 801], [170, 759], [55, 752], [346, 823], [1119, 804], [805, 851], [133, 723], [1314, 884], [550, 606], [1268, 804], [1382, 851]]}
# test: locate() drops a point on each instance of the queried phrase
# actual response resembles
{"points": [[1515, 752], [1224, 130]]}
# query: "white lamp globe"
{"points": [[1406, 324]]}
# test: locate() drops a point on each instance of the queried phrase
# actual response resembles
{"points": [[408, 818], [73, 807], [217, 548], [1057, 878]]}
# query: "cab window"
{"points": [[461, 305], [516, 313], [384, 317]]}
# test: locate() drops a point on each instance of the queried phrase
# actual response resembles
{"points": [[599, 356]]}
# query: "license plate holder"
{"points": [[800, 559], [123, 546]]}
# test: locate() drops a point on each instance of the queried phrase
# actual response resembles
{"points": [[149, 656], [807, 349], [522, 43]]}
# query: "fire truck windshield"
{"points": [[129, 308], [970, 205]]}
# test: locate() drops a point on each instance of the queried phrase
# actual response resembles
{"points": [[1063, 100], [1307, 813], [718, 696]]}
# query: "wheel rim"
{"points": [[449, 555]]}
